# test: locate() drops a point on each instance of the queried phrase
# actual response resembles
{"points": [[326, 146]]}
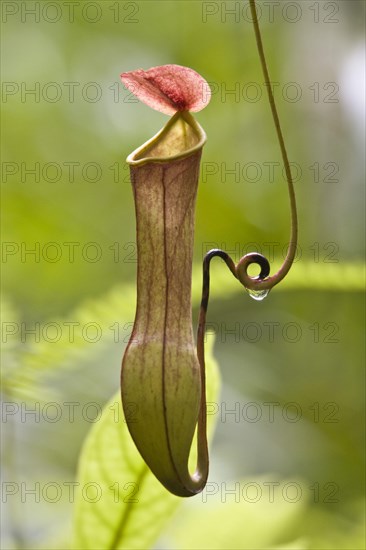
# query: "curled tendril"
{"points": [[266, 283], [262, 282]]}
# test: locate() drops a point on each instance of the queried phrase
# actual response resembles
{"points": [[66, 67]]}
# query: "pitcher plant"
{"points": [[163, 369]]}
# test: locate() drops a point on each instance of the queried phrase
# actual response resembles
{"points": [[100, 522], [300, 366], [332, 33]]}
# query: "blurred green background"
{"points": [[67, 126]]}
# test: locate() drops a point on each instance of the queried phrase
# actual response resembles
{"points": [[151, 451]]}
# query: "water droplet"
{"points": [[258, 295]]}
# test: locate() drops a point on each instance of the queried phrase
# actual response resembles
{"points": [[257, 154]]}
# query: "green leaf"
{"points": [[27, 365], [131, 507], [32, 363], [335, 277]]}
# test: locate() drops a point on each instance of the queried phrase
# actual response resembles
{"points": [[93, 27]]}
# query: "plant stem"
{"points": [[258, 284]]}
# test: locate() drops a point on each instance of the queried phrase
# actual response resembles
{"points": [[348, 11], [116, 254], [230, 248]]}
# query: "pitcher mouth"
{"points": [[179, 138]]}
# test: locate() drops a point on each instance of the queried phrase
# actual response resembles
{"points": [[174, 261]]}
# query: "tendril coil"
{"points": [[262, 282]]}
